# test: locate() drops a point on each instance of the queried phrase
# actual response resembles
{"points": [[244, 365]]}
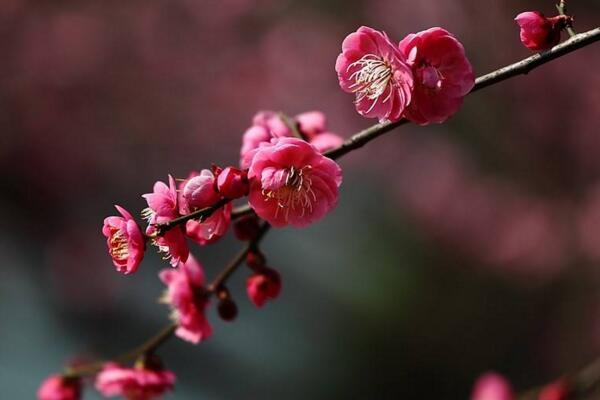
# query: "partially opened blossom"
{"points": [[185, 295], [163, 207], [232, 183], [538, 32], [442, 75], [262, 286], [139, 383], [375, 70], [492, 386], [59, 387], [125, 241], [312, 125], [198, 192], [291, 183]]}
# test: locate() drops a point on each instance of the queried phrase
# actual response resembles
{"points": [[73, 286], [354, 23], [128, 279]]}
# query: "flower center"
{"points": [[430, 77], [372, 78], [296, 193], [119, 250]]}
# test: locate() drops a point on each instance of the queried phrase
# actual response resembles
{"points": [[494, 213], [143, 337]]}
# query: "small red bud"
{"points": [[255, 260], [232, 183], [557, 390], [227, 309], [263, 286], [246, 227]]}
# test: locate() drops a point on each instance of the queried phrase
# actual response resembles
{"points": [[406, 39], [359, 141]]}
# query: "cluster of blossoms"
{"points": [[287, 180], [423, 78]]}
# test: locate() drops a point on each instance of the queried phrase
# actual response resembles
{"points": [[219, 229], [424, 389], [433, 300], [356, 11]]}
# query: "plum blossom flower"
{"points": [[125, 241], [291, 183], [59, 387], [163, 207], [266, 125], [187, 299], [538, 32], [442, 75], [139, 383], [198, 192], [492, 386], [262, 286], [375, 70]]}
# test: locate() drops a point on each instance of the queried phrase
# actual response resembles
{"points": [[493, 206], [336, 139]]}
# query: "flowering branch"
{"points": [[562, 10], [519, 68], [287, 194]]}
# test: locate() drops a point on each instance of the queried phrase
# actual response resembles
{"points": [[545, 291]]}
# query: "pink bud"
{"points": [[255, 260], [538, 32], [311, 123], [263, 286], [198, 192], [232, 183], [492, 386], [58, 387]]}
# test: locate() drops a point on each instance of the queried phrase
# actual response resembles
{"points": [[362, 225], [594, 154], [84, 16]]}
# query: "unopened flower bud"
{"points": [[246, 227], [255, 260], [232, 183], [59, 387], [263, 286], [227, 309], [541, 33]]}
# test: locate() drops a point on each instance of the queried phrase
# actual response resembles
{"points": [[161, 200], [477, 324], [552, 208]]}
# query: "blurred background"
{"points": [[455, 249]]}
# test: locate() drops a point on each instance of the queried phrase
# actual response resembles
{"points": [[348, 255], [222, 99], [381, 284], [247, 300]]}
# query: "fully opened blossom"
{"points": [[375, 70], [59, 387], [126, 243], [492, 386], [198, 192], [538, 32], [442, 75], [186, 297], [267, 125], [163, 207], [291, 183], [139, 383]]}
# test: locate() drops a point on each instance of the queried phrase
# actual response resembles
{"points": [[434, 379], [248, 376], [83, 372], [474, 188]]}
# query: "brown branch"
{"points": [[200, 215], [562, 10], [586, 379], [241, 211], [521, 67]]}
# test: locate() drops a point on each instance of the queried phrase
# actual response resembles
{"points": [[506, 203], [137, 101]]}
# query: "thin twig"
{"points": [[562, 10], [200, 215]]}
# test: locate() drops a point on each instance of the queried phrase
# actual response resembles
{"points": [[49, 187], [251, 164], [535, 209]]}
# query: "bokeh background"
{"points": [[455, 249]]}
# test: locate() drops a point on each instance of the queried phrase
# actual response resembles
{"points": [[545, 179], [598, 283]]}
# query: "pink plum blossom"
{"points": [[538, 32], [291, 183], [186, 296], [262, 286], [59, 387], [163, 207], [198, 192], [492, 386], [442, 75], [375, 70], [126, 243], [138, 383], [312, 125]]}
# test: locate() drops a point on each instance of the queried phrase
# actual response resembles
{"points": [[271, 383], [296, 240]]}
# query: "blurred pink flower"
{"points": [[292, 183], [442, 75], [58, 387], [312, 125], [538, 32], [126, 243], [186, 296], [373, 68], [492, 386], [138, 383], [197, 192], [263, 285], [163, 207]]}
